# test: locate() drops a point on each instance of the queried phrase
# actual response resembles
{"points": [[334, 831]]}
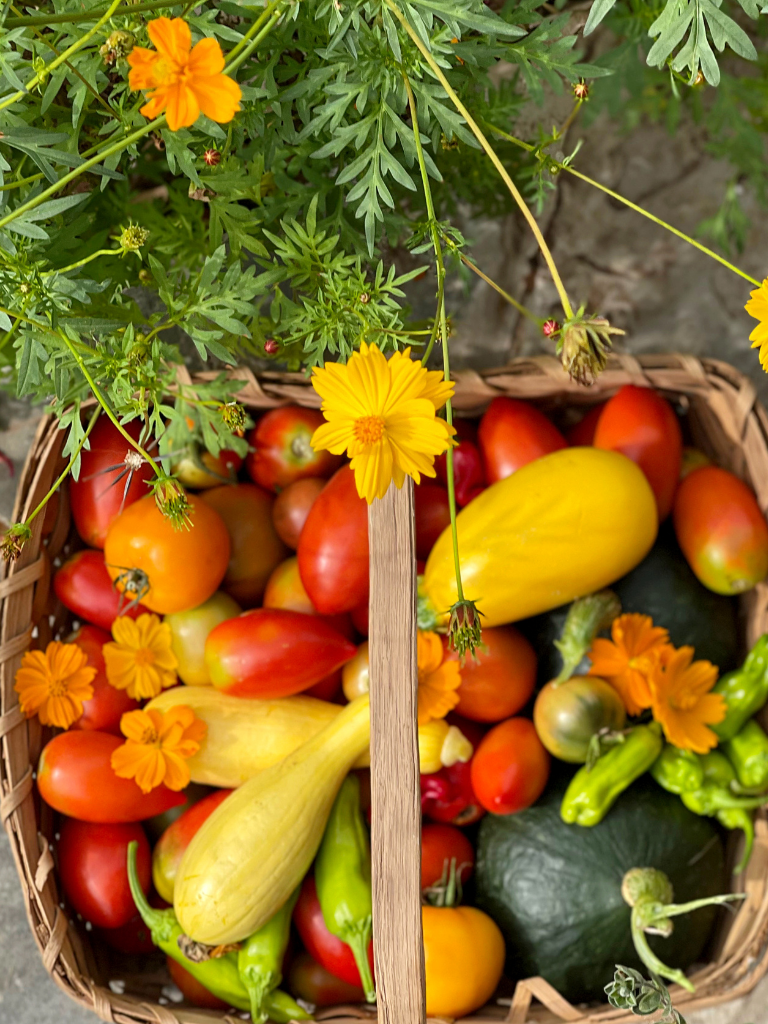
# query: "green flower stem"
{"points": [[77, 45], [436, 241], [570, 119], [62, 19], [21, 182], [266, 15], [82, 262], [505, 295], [491, 153], [632, 206], [649, 958], [102, 402], [436, 325]]}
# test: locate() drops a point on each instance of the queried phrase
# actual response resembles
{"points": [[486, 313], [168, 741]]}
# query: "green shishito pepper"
{"points": [[593, 791], [260, 959], [343, 878], [745, 691], [678, 771], [748, 753], [219, 975]]}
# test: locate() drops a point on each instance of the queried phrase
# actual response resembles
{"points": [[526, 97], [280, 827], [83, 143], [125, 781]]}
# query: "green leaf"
{"points": [[597, 12], [696, 20]]}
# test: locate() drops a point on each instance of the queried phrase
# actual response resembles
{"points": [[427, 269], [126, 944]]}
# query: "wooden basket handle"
{"points": [[537, 988], [395, 796]]}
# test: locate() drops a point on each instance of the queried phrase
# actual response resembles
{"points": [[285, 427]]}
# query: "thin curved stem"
{"points": [[436, 324], [505, 295], [233, 63], [82, 262], [491, 153], [632, 206], [650, 959], [75, 16]]}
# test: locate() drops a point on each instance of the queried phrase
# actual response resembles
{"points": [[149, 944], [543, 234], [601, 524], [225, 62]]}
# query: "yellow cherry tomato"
{"points": [[463, 957], [190, 631], [355, 678]]}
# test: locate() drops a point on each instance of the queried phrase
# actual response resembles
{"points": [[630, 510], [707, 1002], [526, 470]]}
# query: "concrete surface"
{"points": [[666, 295]]}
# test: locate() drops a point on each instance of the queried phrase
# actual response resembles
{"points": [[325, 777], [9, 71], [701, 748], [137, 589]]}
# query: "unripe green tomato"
{"points": [[567, 715], [190, 631]]}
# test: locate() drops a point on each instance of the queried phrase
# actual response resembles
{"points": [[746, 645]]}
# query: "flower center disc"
{"points": [[144, 657], [369, 429]]}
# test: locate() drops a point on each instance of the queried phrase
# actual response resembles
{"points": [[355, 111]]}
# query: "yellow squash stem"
{"points": [[438, 73]]}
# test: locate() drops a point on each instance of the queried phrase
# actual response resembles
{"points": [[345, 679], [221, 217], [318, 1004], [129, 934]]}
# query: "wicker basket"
{"points": [[723, 418]]}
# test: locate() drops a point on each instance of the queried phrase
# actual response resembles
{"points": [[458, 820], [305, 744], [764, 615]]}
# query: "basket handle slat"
{"points": [[395, 801], [537, 988]]}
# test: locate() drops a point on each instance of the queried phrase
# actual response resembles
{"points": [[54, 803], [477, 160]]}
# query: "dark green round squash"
{"points": [[555, 889], [664, 587]]}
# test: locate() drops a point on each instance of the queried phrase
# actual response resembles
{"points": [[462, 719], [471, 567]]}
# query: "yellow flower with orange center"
{"points": [[157, 747], [681, 700], [625, 660], [53, 684], [439, 680], [758, 308], [382, 413], [141, 660], [182, 79]]}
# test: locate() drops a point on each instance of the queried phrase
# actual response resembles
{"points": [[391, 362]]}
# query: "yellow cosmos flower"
{"points": [[182, 79], [682, 702], [439, 680], [54, 684], [157, 747], [758, 308], [141, 659], [382, 414]]}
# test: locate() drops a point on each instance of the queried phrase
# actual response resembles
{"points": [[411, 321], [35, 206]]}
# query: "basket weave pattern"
{"points": [[724, 419]]}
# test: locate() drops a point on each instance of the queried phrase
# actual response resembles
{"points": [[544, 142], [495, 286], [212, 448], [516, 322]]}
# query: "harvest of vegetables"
{"points": [[210, 764]]}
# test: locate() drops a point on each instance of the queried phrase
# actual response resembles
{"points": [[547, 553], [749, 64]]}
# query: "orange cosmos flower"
{"points": [[681, 701], [182, 79], [626, 659], [141, 659], [54, 684], [157, 746], [438, 680]]}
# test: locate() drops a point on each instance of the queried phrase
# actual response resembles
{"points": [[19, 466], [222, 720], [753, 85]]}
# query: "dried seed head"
{"points": [[234, 416], [550, 327], [118, 44], [212, 157], [583, 347], [464, 632], [133, 460], [172, 501], [14, 540]]}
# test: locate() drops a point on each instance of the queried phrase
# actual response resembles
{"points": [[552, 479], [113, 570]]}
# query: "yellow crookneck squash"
{"points": [[563, 526]]}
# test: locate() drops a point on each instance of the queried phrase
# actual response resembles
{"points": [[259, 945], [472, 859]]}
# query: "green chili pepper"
{"points": [[343, 878], [592, 792], [678, 771], [735, 818], [260, 959], [220, 974], [745, 691], [748, 753]]}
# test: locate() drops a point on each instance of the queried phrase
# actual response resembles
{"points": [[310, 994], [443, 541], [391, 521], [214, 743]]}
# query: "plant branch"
{"points": [[505, 295], [75, 16], [267, 15]]}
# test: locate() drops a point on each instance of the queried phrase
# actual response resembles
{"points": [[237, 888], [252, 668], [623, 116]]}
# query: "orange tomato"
{"points": [[179, 568], [721, 530], [256, 548], [463, 959], [499, 680], [285, 589], [642, 425], [291, 508], [510, 767]]}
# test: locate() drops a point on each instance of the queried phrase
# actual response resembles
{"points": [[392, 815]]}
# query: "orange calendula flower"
{"points": [[758, 308], [681, 700], [54, 684], [626, 659], [182, 79], [141, 659], [438, 680], [157, 746]]}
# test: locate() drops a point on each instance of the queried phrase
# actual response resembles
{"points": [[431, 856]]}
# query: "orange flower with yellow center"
{"points": [[681, 700], [439, 680], [54, 684], [182, 79], [157, 747], [625, 660], [141, 660]]}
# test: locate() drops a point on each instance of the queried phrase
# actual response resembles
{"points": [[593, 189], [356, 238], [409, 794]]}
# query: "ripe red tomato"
{"points": [[310, 981], [498, 682], [172, 844], [334, 955], [582, 435], [282, 452], [75, 776], [193, 990], [255, 546], [269, 652], [721, 530], [468, 477], [291, 508], [642, 425], [440, 844], [510, 768], [108, 704], [83, 586], [512, 434], [333, 547], [433, 515], [180, 568], [106, 485], [447, 796], [92, 867]]}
